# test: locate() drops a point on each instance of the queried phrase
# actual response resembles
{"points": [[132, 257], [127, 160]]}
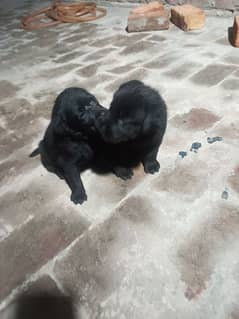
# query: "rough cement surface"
{"points": [[163, 246]]}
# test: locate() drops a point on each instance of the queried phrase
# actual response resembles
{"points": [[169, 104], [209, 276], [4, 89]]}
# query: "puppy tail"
{"points": [[35, 152]]}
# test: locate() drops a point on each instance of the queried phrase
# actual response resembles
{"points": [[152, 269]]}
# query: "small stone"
{"points": [[211, 140], [182, 154], [225, 194], [148, 17], [235, 32], [188, 17], [195, 146]]}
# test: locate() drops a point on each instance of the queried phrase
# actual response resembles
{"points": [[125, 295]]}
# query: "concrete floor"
{"points": [[163, 246]]}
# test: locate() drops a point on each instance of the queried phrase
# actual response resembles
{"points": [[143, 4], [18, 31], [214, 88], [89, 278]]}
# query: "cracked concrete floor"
{"points": [[163, 246]]}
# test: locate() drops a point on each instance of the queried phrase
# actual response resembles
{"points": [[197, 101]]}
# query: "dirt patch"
{"points": [[195, 119], [137, 209], [16, 206], [207, 242], [7, 89], [228, 131], [189, 179], [88, 70], [21, 125], [13, 168], [233, 180], [234, 314]]}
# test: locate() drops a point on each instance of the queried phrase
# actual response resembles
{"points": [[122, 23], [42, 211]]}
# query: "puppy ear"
{"points": [[35, 152], [59, 126]]}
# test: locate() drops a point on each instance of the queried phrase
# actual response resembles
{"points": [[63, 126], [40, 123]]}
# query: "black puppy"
{"points": [[136, 122], [66, 148]]}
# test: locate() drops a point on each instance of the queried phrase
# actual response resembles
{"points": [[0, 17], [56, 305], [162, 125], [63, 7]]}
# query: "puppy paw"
{"points": [[151, 167], [78, 197], [123, 172]]}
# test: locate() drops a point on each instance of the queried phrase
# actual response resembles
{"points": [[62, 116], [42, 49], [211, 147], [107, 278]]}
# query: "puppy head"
{"points": [[116, 130], [124, 120], [85, 116]]}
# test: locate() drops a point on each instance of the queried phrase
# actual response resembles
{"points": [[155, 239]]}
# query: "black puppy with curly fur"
{"points": [[136, 123], [71, 139]]}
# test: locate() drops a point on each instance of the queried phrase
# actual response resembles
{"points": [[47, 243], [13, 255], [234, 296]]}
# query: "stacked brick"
{"points": [[148, 17], [154, 16], [235, 32], [188, 17]]}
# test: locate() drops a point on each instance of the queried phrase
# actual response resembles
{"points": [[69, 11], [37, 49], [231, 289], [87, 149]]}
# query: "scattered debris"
{"points": [[195, 146], [235, 32], [211, 140], [188, 17], [148, 17], [182, 154], [225, 194]]}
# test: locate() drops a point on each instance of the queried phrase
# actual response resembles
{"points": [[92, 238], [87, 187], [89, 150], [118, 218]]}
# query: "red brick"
{"points": [[148, 17], [235, 32], [149, 21], [188, 17], [152, 6], [28, 248]]}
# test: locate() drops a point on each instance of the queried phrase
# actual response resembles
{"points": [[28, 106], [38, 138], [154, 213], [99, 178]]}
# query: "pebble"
{"points": [[182, 154], [195, 146], [225, 194], [211, 140]]}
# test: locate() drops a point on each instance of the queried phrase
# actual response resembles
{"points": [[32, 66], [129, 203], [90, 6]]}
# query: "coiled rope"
{"points": [[62, 13]]}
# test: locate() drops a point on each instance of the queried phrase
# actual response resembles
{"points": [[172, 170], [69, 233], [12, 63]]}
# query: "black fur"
{"points": [[82, 134], [136, 123], [66, 147]]}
